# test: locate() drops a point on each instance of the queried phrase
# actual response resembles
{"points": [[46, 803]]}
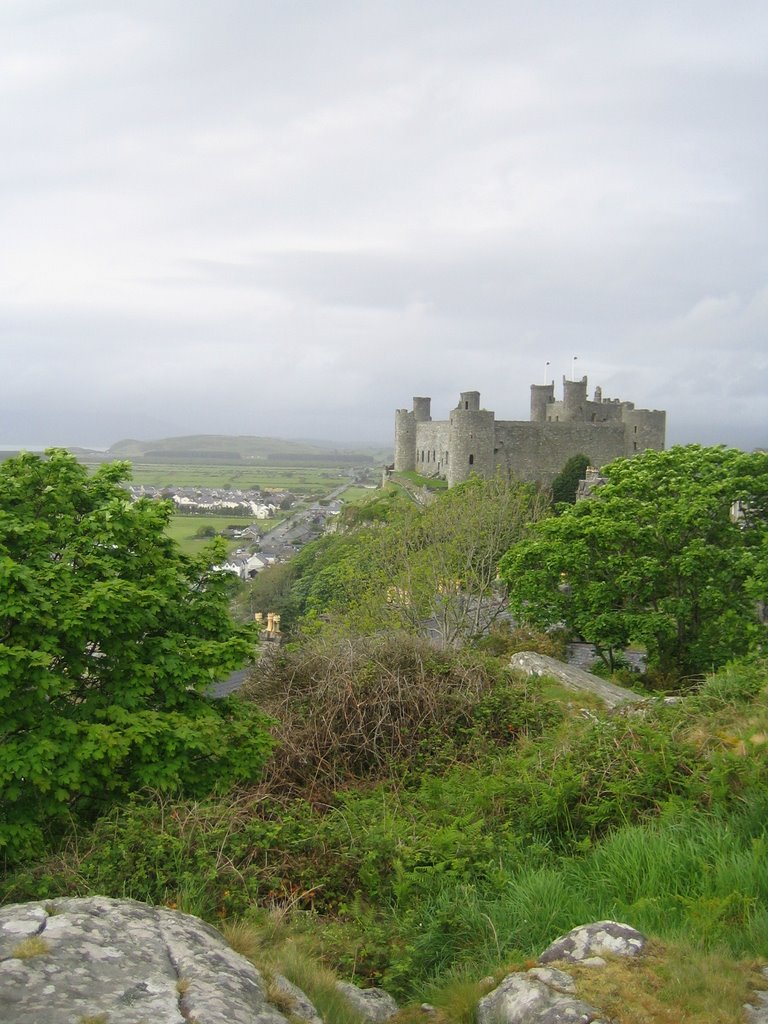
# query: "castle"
{"points": [[472, 440]]}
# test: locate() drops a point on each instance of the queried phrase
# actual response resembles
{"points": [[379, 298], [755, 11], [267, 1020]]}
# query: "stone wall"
{"points": [[473, 441], [538, 451]]}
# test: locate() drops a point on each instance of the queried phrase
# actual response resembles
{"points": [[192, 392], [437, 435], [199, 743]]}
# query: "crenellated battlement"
{"points": [[472, 440]]}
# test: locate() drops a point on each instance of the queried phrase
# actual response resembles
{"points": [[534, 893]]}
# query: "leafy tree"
{"points": [[109, 638], [566, 483], [428, 570], [668, 553]]}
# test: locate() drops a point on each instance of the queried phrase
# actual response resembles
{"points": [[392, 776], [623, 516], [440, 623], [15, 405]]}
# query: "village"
{"points": [[258, 547]]}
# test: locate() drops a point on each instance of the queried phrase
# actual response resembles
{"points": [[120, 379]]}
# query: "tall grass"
{"points": [[686, 877]]}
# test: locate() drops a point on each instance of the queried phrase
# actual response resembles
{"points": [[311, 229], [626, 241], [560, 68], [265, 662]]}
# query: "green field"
{"points": [[298, 479], [183, 529]]}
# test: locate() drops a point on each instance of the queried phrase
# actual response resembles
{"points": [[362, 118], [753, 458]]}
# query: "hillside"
{"points": [[243, 448], [387, 795]]}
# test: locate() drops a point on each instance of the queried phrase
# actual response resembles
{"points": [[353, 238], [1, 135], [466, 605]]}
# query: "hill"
{"points": [[242, 448]]}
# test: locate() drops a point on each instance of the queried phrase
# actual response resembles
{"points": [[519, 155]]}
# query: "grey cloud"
{"points": [[331, 207]]}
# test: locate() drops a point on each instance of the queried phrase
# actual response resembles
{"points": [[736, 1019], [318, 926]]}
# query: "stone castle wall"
{"points": [[473, 441]]}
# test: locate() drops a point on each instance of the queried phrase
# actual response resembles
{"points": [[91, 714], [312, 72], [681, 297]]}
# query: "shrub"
{"points": [[363, 708]]}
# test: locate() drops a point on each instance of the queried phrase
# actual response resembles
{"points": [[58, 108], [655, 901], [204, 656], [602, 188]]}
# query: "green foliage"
{"points": [[566, 483], [504, 640], [108, 640], [483, 857], [658, 557], [204, 532], [430, 571]]}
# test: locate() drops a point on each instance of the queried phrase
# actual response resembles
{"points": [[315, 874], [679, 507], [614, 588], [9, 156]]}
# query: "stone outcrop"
{"points": [[589, 941], [525, 999], [547, 995], [112, 961], [572, 678], [373, 1004]]}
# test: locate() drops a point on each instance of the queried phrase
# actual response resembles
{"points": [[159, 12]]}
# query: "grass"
{"points": [[33, 946], [412, 478], [276, 948], [183, 529], [676, 984], [357, 495]]}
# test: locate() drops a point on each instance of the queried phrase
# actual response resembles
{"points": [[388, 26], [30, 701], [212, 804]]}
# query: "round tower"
{"points": [[471, 432], [405, 441], [574, 399], [542, 395]]}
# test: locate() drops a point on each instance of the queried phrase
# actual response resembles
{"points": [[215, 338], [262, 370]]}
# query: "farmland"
{"points": [[300, 480]]}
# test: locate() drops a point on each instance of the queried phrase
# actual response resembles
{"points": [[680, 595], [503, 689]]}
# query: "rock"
{"points": [[522, 999], [28, 921], [756, 1012], [558, 980], [573, 678], [594, 940], [123, 961], [374, 1004], [300, 1005]]}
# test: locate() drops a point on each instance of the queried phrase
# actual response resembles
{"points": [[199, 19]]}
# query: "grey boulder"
{"points": [[593, 941]]}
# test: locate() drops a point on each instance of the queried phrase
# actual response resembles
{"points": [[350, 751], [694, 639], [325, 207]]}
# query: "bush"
{"points": [[363, 708]]}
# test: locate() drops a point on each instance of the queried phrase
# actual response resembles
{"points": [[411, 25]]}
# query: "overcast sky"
{"points": [[289, 217]]}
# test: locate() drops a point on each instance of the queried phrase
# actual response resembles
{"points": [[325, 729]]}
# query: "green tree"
{"points": [[667, 553], [566, 482], [429, 570], [109, 638]]}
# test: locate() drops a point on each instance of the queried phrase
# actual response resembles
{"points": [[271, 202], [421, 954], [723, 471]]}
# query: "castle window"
{"points": [[433, 454], [634, 445], [471, 460], [635, 429], [466, 405]]}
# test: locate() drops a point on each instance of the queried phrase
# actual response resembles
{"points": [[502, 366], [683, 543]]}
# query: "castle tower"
{"points": [[405, 433], [643, 428], [405, 441], [421, 409], [542, 395], [470, 440], [574, 400], [469, 401]]}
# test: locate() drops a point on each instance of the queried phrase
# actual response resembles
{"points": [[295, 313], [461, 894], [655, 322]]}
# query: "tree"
{"points": [[667, 553], [429, 570], [109, 638], [566, 483]]}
